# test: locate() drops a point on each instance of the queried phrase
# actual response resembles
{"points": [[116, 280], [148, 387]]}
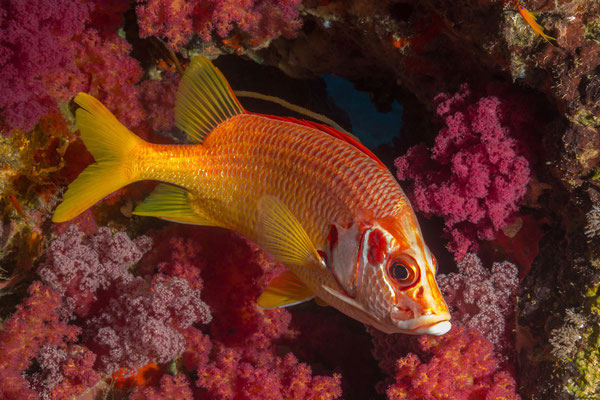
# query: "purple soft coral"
{"points": [[484, 300], [140, 323], [478, 170]]}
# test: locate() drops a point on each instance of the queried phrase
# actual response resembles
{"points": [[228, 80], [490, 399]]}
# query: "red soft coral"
{"points": [[171, 388], [478, 170], [111, 75], [228, 376], [179, 21], [457, 365], [239, 359], [36, 330]]}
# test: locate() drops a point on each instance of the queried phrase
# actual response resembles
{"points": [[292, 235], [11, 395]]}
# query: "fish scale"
{"points": [[256, 156]]}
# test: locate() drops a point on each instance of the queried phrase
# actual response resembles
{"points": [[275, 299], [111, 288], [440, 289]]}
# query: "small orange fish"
{"points": [[531, 20], [16, 205], [311, 196]]}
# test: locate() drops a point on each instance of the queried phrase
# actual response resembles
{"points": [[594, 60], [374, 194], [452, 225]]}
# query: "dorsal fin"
{"points": [[204, 100], [327, 129]]}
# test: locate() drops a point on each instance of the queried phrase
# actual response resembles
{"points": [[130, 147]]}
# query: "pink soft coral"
{"points": [[179, 21], [457, 365], [477, 171], [128, 320], [484, 300]]}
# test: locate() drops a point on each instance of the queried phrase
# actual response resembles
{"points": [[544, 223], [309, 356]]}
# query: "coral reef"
{"points": [[505, 162], [240, 357]]}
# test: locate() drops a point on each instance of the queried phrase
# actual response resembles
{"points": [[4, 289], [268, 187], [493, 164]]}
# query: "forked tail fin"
{"points": [[111, 144]]}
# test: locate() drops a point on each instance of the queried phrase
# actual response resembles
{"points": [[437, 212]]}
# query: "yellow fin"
{"points": [[204, 100], [111, 144], [284, 290], [171, 203], [282, 236]]}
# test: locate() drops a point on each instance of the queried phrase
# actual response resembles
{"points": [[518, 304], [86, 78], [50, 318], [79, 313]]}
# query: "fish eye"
{"points": [[402, 271]]}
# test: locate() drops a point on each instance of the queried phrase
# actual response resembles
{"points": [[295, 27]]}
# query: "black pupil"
{"points": [[399, 272]]}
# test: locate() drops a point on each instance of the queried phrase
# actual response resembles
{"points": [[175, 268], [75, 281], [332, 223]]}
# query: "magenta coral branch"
{"points": [[477, 172], [36, 57]]}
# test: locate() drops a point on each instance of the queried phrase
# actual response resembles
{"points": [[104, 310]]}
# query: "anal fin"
{"points": [[285, 290], [172, 203]]}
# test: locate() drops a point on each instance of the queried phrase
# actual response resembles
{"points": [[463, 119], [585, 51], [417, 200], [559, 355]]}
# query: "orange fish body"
{"points": [[322, 205], [531, 20]]}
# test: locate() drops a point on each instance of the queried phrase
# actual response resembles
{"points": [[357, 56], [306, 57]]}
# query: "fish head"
{"points": [[389, 277]]}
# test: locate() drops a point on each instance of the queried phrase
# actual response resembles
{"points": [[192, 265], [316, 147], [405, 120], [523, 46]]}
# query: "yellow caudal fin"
{"points": [[204, 100], [111, 144]]}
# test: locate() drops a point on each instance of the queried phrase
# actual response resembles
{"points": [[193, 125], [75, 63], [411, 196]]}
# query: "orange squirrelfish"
{"points": [[311, 196], [531, 20]]}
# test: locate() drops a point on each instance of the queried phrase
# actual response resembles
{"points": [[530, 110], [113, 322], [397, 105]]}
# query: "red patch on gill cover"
{"points": [[327, 129], [377, 245]]}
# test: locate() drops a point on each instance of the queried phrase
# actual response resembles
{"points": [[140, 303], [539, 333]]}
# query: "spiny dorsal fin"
{"points": [[284, 290], [204, 100]]}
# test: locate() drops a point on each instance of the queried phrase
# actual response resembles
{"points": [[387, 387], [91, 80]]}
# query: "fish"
{"points": [[531, 20], [311, 196]]}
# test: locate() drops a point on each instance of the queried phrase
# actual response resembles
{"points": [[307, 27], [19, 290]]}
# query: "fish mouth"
{"points": [[437, 324]]}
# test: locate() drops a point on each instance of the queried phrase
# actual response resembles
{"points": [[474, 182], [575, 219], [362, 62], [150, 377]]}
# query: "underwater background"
{"points": [[491, 129]]}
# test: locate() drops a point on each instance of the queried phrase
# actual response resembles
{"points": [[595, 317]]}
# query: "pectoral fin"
{"points": [[285, 290], [172, 203], [282, 236]]}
